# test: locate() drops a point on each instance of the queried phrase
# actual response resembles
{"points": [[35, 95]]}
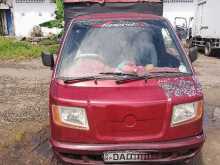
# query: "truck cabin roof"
{"points": [[118, 16]]}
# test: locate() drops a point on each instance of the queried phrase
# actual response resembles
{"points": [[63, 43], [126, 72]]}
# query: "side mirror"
{"points": [[47, 59], [193, 54]]}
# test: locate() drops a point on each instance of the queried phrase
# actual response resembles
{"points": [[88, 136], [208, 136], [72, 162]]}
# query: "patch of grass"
{"points": [[13, 49]]}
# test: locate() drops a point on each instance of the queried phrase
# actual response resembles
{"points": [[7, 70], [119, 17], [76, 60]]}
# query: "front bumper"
{"points": [[91, 154]]}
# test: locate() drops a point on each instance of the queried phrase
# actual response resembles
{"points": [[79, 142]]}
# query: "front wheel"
{"points": [[197, 160]]}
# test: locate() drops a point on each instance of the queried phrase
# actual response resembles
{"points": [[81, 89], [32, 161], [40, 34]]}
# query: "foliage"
{"points": [[13, 49], [59, 21]]}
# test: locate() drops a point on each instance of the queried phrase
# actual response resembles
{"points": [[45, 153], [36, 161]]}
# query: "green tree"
{"points": [[59, 21]]}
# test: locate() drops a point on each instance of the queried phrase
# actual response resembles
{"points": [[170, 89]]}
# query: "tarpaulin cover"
{"points": [[72, 10], [108, 1]]}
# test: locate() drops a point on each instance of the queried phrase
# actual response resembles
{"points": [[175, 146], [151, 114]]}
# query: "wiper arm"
{"points": [[134, 78], [126, 77]]}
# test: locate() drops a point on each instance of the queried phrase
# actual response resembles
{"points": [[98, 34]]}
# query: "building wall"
{"points": [[179, 8], [28, 15]]}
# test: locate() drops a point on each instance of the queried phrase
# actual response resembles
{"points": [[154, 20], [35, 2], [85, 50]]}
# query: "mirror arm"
{"points": [[52, 62], [193, 54]]}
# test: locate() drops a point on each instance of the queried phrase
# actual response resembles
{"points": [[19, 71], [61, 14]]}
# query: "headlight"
{"points": [[185, 113], [70, 117]]}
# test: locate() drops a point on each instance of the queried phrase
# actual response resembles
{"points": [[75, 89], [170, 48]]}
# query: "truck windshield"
{"points": [[142, 47]]}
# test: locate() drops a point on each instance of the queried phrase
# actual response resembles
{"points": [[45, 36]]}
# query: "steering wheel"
{"points": [[90, 56]]}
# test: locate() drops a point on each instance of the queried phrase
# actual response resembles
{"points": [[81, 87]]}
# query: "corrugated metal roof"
{"points": [[113, 1]]}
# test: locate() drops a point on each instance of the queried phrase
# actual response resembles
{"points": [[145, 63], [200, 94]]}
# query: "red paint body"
{"points": [[129, 116]]}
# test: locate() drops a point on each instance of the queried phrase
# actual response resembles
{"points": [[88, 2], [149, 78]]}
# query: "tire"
{"points": [[208, 49], [197, 160], [56, 161]]}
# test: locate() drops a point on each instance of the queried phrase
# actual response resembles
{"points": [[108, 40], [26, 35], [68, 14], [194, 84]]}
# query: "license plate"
{"points": [[126, 156]]}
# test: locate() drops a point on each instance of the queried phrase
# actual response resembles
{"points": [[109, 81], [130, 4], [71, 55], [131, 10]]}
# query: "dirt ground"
{"points": [[24, 124]]}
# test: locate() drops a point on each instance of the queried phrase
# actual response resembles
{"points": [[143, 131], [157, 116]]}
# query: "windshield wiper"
{"points": [[136, 77], [70, 80], [169, 73], [126, 77], [118, 74]]}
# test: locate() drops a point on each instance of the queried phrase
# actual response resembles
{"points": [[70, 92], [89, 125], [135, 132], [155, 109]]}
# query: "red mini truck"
{"points": [[123, 90]]}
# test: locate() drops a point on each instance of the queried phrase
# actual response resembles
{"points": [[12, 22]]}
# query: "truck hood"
{"points": [[131, 112], [108, 91]]}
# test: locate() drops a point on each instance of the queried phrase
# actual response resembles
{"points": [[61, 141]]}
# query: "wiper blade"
{"points": [[71, 80], [169, 73], [150, 76], [118, 74]]}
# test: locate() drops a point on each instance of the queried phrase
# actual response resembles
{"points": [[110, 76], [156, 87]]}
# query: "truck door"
{"points": [[181, 26]]}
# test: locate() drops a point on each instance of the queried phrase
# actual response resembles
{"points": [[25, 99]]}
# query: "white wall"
{"points": [[207, 16], [28, 15], [172, 10]]}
